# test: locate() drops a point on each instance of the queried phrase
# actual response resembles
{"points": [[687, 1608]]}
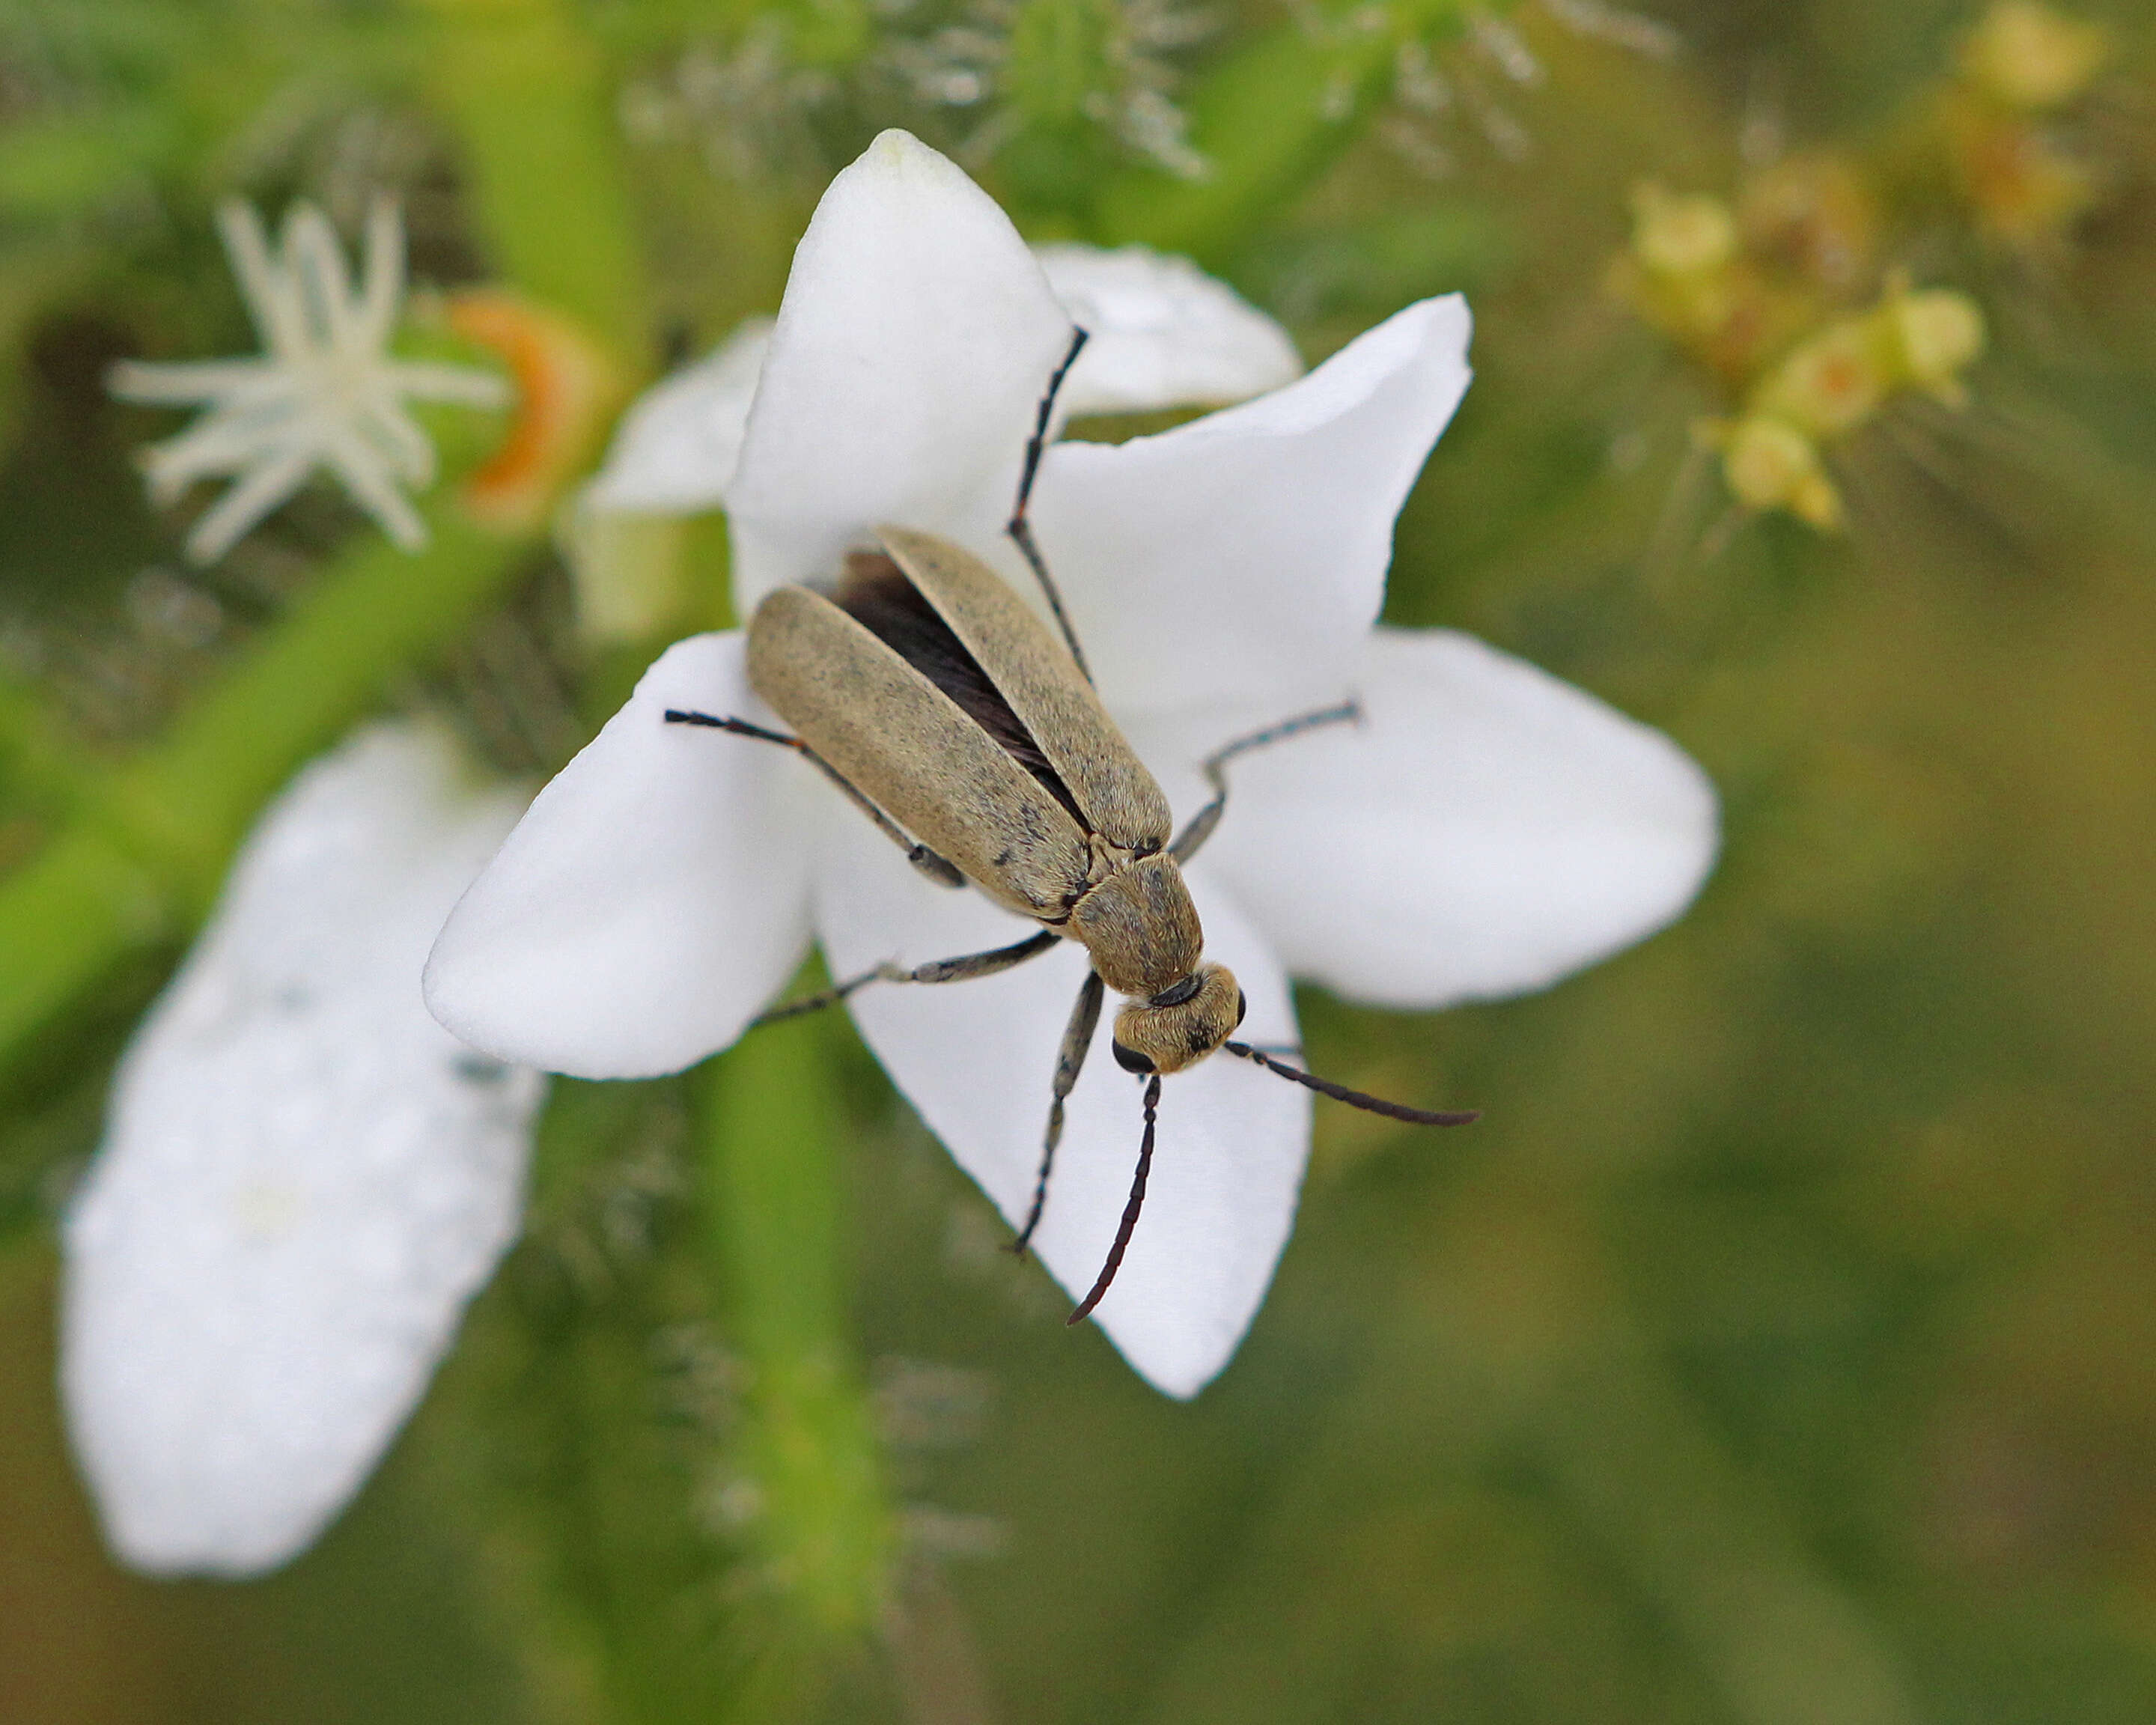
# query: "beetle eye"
{"points": [[1242, 1009], [1129, 1060]]}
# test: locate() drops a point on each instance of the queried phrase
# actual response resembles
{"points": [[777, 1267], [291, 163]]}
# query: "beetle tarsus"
{"points": [[827, 996], [1128, 1226]]}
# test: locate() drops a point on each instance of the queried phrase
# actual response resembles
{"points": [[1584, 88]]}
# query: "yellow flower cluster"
{"points": [[1803, 376], [1784, 294], [1831, 383]]}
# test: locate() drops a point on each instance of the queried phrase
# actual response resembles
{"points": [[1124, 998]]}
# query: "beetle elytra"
{"points": [[939, 702]]}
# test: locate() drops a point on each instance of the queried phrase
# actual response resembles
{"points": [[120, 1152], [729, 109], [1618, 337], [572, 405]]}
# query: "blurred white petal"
{"points": [[652, 900], [1162, 333], [303, 1181], [676, 449]]}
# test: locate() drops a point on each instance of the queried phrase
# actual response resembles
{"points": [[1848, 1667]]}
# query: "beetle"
{"points": [[938, 702]]}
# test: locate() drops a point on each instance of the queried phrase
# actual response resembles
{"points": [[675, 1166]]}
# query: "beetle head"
{"points": [[1180, 1026]]}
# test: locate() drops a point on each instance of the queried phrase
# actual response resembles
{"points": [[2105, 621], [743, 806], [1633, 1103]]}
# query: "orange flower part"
{"points": [[566, 390]]}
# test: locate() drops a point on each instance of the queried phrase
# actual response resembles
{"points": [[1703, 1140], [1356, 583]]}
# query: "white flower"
{"points": [[1485, 831], [1161, 333], [304, 1178], [325, 394]]}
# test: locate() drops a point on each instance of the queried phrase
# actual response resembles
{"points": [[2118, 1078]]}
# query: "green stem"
{"points": [[823, 1529], [1268, 119], [526, 88], [142, 857]]}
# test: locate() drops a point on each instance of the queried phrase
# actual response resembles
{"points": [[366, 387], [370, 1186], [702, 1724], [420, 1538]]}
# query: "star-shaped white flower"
{"points": [[303, 1180], [1484, 831], [326, 392]]}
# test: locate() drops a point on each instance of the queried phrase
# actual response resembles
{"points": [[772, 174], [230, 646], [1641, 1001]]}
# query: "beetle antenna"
{"points": [[1130, 1221], [1019, 529], [1355, 1098]]}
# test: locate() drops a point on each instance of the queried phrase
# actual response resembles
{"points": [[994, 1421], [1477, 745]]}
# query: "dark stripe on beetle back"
{"points": [[876, 594]]}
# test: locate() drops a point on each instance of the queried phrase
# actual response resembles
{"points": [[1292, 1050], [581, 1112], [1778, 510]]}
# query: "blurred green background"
{"points": [[1780, 1349]]}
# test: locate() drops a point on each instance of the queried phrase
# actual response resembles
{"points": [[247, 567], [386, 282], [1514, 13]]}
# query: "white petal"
{"points": [[1164, 334], [381, 291], [265, 484], [676, 448], [267, 284], [911, 351], [186, 382], [1487, 830], [225, 439], [315, 261], [652, 900], [304, 1179], [976, 1059], [1241, 559], [367, 480]]}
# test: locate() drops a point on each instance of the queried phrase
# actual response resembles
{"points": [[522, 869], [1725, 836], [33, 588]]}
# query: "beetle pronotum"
{"points": [[933, 696]]}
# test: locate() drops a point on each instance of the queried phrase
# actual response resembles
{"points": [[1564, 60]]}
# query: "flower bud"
{"points": [[1672, 235], [1769, 464], [2027, 56], [1933, 335], [1813, 213], [1829, 384]]}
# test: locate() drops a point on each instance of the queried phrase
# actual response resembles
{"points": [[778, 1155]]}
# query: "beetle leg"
{"points": [[937, 869], [1202, 823], [1077, 1038], [1021, 530], [962, 969]]}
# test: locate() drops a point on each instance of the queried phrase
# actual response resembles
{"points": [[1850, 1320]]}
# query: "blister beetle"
{"points": [[939, 702]]}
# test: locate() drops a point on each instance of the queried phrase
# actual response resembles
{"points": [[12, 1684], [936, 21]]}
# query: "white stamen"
{"points": [[325, 393]]}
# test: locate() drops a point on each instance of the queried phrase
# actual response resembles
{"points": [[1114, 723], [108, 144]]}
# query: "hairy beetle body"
{"points": [[930, 684]]}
